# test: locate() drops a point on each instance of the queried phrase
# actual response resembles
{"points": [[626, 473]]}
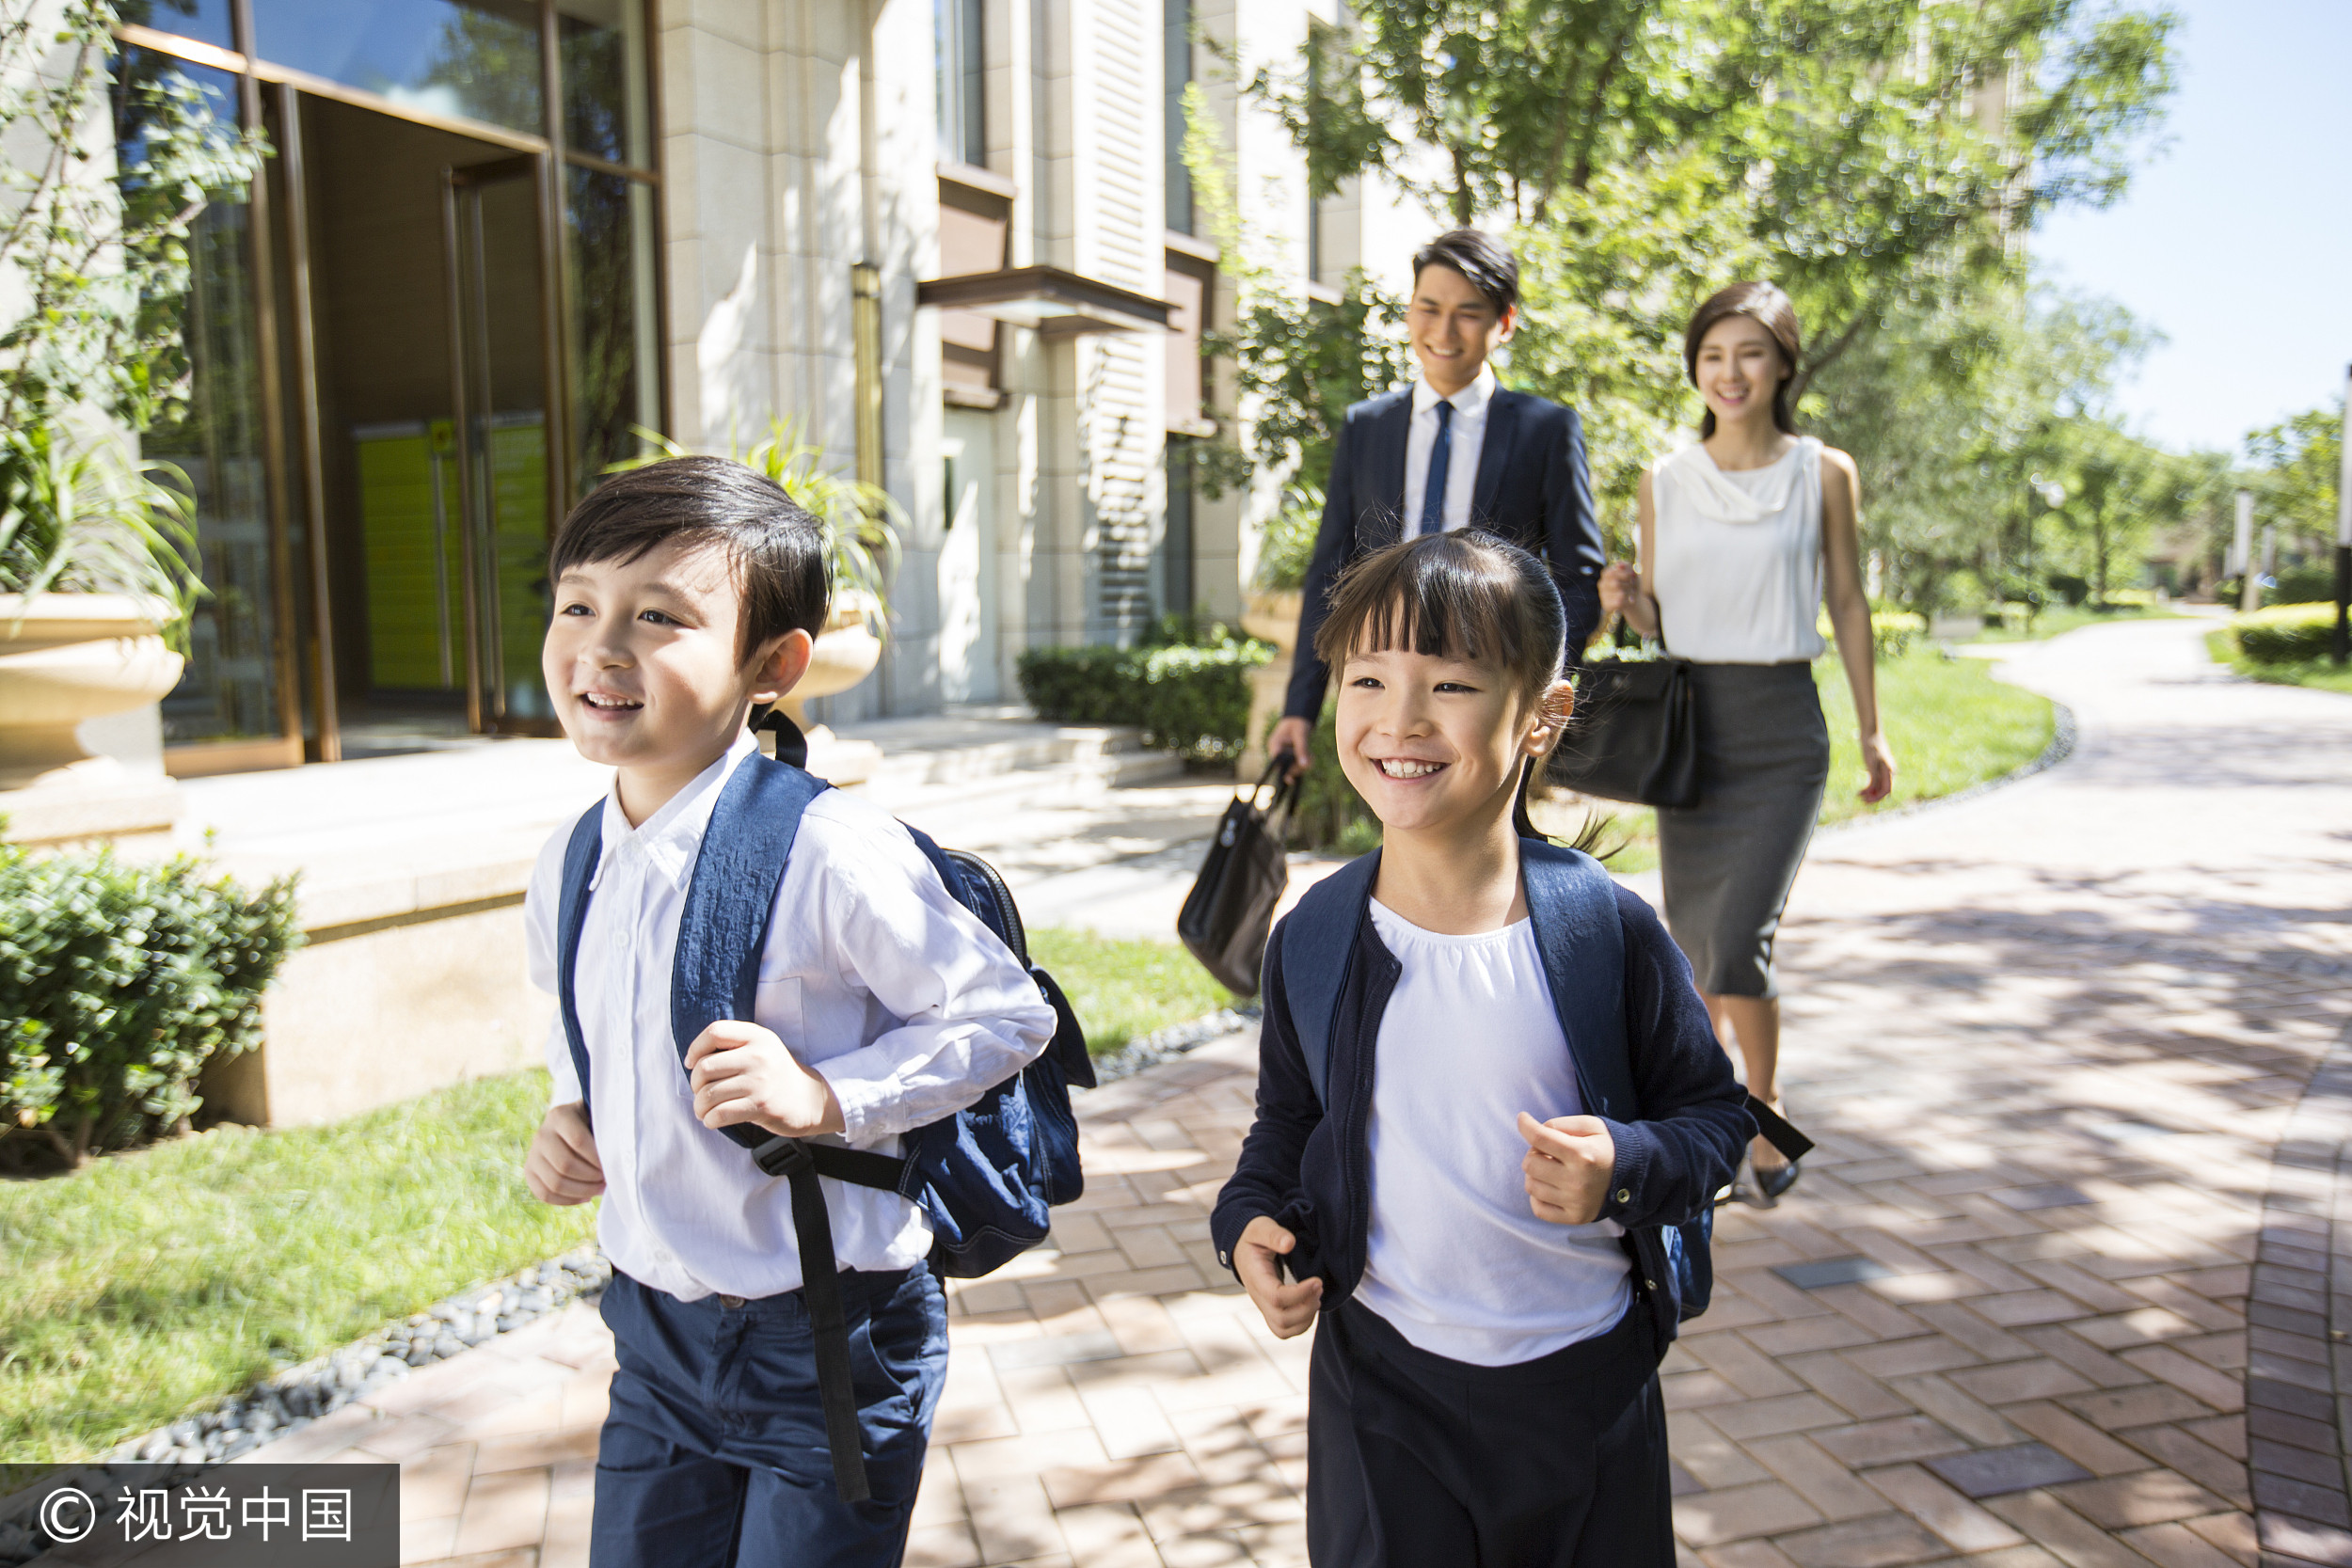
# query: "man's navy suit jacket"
{"points": [[1534, 489]]}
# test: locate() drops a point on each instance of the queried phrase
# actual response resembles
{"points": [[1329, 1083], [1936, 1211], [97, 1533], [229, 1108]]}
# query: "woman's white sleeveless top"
{"points": [[1737, 576]]}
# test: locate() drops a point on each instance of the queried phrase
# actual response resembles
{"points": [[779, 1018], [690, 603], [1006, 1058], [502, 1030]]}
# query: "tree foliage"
{"points": [[95, 218], [2301, 463], [101, 264], [1298, 361], [1881, 159]]}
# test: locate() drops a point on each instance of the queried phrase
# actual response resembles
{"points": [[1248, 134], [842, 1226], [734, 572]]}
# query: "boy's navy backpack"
{"points": [[1574, 904], [985, 1176]]}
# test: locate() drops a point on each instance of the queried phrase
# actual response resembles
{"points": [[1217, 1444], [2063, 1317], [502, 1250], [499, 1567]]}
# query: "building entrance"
{"points": [[429, 315]]}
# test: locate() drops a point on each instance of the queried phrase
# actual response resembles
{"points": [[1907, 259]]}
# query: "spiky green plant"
{"points": [[87, 519], [862, 521]]}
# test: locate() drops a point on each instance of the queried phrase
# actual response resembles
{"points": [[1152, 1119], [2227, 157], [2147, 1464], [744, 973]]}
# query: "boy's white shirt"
{"points": [[872, 975]]}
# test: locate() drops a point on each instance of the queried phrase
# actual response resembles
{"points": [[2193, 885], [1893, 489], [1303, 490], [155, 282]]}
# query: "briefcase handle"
{"points": [[1287, 792]]}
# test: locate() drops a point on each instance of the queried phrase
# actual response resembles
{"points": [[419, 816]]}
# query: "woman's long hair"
{"points": [[1765, 304]]}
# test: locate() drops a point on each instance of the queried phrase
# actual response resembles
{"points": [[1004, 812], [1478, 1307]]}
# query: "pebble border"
{"points": [[1163, 1045], [291, 1399], [2298, 1425]]}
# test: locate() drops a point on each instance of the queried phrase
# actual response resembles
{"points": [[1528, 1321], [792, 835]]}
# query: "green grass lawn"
{"points": [[2324, 674], [145, 1284], [1123, 989], [1951, 724]]}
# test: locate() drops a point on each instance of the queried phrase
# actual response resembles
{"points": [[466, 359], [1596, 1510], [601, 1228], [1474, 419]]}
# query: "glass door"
{"points": [[491, 242]]}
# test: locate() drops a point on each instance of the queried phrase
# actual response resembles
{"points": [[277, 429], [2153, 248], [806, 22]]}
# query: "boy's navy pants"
{"points": [[1415, 1460], [714, 1454]]}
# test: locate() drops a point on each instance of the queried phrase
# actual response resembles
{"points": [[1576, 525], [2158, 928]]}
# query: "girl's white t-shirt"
{"points": [[1458, 1263]]}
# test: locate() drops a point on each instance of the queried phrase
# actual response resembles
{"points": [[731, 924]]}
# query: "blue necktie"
{"points": [[1433, 490]]}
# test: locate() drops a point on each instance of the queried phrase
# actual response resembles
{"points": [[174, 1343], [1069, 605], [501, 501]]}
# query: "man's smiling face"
{"points": [[1454, 327]]}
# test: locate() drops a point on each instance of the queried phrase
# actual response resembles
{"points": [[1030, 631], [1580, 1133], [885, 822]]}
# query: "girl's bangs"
{"points": [[1439, 603]]}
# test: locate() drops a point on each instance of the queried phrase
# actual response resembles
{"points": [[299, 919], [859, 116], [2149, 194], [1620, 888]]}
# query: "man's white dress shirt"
{"points": [[872, 975], [1462, 450]]}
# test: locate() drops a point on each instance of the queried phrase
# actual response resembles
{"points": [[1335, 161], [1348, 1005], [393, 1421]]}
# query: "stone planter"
{"points": [[846, 653], [1272, 615], [64, 658]]}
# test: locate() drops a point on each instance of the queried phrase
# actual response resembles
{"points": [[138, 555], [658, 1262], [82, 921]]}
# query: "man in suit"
{"points": [[1451, 450]]}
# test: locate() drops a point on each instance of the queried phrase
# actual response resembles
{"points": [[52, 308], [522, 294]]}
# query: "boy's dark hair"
{"points": [[777, 547], [1484, 261], [1465, 594]]}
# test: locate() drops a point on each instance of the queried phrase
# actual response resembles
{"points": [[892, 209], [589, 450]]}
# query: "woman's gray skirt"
{"points": [[1727, 862]]}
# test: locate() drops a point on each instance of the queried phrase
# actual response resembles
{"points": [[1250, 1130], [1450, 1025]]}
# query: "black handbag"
{"points": [[1634, 734], [1230, 912]]}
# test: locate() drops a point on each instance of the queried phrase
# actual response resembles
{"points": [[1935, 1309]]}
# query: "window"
{"points": [[205, 20], [1175, 563], [962, 102], [469, 60], [230, 688]]}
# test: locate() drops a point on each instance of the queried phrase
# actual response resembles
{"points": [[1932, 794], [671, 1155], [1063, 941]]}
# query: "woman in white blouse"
{"points": [[1744, 536]]}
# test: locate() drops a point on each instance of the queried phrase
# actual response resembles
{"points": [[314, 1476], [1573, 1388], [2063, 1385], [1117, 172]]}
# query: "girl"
{"points": [[1741, 536], [1486, 1087]]}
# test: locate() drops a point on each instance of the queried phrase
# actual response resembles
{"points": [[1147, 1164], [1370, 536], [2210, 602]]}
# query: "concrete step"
{"points": [[982, 766], [984, 796]]}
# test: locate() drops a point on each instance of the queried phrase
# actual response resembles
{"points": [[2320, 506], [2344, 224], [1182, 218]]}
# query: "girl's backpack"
{"points": [[985, 1176], [1573, 903]]}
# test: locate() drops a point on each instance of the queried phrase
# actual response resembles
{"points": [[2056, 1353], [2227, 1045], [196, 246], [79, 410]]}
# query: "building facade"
{"points": [[952, 240]]}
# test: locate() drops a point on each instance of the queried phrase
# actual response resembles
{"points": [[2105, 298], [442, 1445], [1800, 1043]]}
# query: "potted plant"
{"points": [[97, 579], [862, 525]]}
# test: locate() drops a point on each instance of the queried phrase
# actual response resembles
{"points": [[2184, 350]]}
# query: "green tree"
{"points": [[2301, 463], [97, 271], [1299, 362], [1881, 158], [1863, 139], [1957, 412]]}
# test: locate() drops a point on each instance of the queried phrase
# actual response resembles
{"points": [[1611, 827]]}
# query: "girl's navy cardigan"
{"points": [[1309, 1170]]}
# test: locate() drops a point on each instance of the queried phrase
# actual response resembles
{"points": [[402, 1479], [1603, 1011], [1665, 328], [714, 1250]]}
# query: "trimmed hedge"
{"points": [[1892, 631], [118, 983], [1194, 701], [2286, 634]]}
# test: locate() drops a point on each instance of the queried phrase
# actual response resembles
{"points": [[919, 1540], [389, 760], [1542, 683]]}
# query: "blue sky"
{"points": [[2236, 240]]}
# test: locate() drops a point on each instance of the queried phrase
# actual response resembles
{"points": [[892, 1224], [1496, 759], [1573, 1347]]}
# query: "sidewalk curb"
{"points": [[2065, 735], [2302, 1505]]}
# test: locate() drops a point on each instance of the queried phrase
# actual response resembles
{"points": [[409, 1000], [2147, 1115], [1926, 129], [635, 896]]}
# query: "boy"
{"points": [[684, 592]]}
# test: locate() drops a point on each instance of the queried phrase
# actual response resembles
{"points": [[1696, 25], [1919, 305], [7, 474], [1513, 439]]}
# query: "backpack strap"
{"points": [[730, 900], [580, 869], [1318, 950], [1573, 903]]}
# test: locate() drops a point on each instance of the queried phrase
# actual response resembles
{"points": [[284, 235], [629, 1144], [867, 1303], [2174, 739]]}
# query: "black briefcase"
{"points": [[1634, 734], [1230, 912]]}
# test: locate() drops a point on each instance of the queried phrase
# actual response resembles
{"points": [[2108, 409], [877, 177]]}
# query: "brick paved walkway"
{"points": [[2049, 1040]]}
